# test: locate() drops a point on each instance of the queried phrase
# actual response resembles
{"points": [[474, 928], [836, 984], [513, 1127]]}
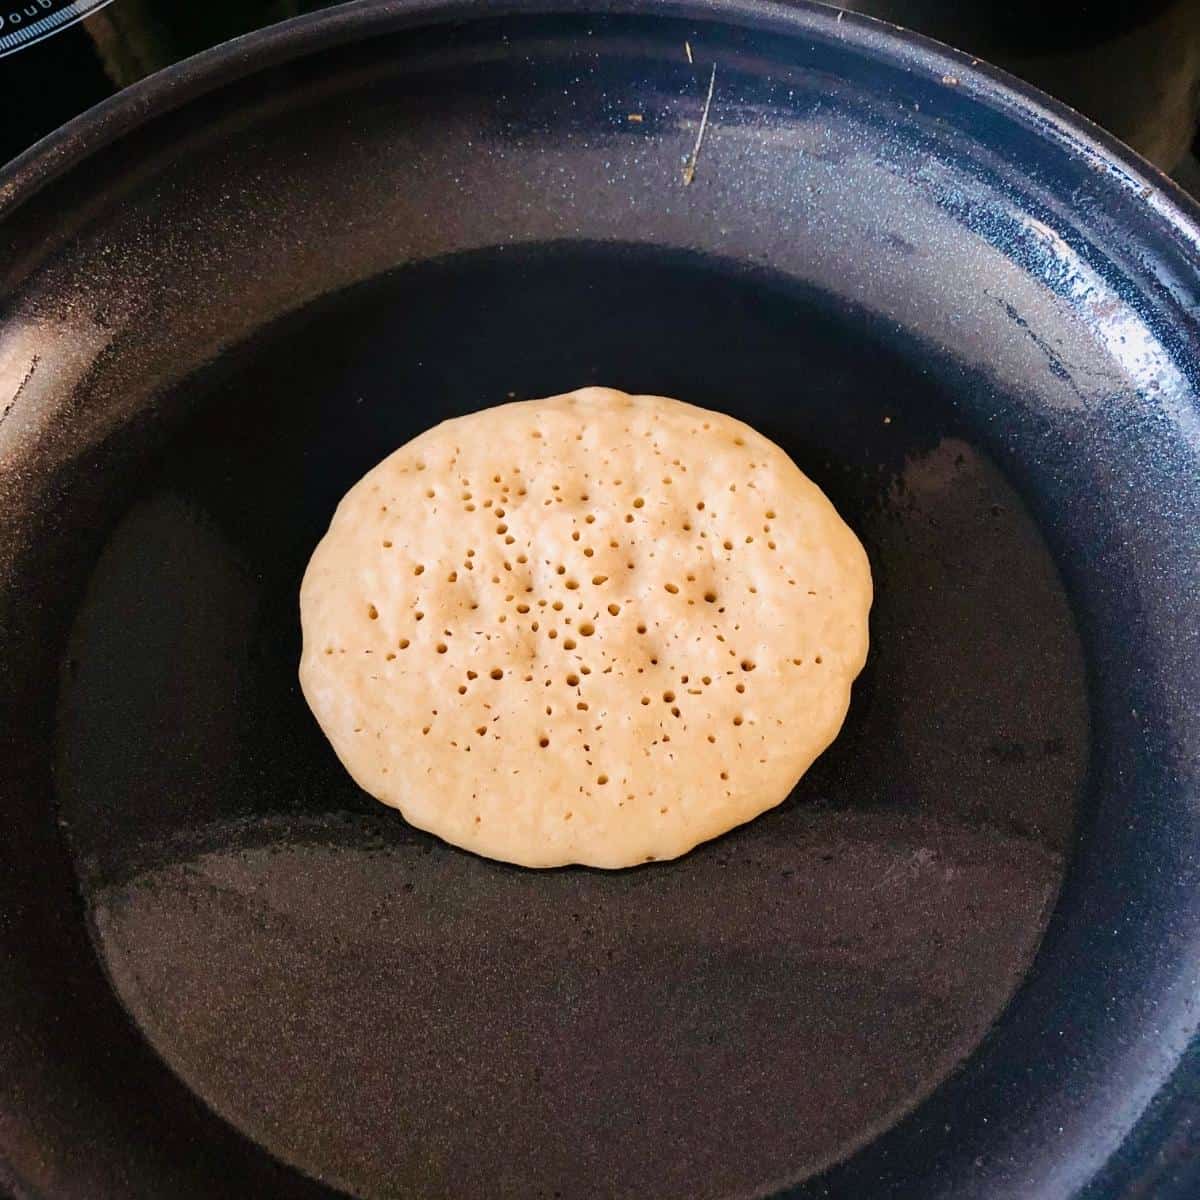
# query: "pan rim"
{"points": [[23, 177], [1168, 210]]}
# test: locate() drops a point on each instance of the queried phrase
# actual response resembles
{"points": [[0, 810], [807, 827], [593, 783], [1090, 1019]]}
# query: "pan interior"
{"points": [[395, 1016]]}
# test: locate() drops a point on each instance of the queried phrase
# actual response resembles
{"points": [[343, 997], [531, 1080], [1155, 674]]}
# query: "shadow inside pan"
{"points": [[398, 1017]]}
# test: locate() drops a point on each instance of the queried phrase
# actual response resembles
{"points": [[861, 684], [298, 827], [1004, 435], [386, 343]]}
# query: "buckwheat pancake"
{"points": [[597, 628]]}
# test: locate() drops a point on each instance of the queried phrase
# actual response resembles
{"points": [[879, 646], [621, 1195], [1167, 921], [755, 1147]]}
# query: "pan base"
{"points": [[397, 1017]]}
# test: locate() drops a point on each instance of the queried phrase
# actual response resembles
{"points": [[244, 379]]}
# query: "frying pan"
{"points": [[960, 961]]}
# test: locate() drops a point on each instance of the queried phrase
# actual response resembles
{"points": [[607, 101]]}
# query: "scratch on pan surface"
{"points": [[689, 167], [687, 49]]}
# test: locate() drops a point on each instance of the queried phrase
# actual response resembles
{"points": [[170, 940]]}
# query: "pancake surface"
{"points": [[597, 628]]}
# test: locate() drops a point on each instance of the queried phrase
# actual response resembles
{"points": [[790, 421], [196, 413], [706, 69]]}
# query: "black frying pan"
{"points": [[960, 961]]}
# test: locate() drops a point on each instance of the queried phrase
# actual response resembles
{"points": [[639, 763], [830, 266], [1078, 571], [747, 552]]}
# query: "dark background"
{"points": [[1134, 67]]}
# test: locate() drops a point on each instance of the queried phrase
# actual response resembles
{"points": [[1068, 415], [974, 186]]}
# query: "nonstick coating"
{"points": [[233, 289]]}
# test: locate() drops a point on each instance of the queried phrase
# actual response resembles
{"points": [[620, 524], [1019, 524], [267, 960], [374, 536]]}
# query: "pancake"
{"points": [[597, 628]]}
